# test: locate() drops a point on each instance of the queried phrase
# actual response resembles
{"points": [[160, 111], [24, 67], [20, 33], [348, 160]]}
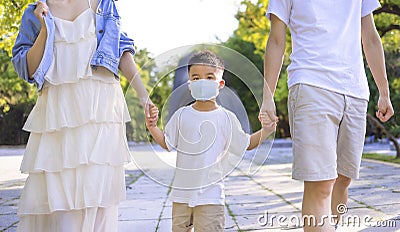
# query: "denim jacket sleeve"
{"points": [[28, 32], [111, 41], [126, 44]]}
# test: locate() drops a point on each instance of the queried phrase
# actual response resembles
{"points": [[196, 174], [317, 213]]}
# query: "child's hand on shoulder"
{"points": [[151, 121]]}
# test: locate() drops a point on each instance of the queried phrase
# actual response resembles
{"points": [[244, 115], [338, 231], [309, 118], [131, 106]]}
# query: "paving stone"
{"points": [[165, 225], [270, 190], [137, 225]]}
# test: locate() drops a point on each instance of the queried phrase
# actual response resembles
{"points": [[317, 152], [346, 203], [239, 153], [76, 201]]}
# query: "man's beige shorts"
{"points": [[328, 131], [204, 218]]}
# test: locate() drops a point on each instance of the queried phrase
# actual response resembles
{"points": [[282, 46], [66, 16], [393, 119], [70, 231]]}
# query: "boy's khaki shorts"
{"points": [[328, 131], [203, 218]]}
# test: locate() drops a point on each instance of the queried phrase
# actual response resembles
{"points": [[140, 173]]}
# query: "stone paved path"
{"points": [[269, 193]]}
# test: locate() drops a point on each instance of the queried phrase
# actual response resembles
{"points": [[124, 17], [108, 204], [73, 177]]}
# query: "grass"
{"points": [[384, 158]]}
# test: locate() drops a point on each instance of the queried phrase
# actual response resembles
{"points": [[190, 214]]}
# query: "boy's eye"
{"points": [[195, 78], [210, 77]]}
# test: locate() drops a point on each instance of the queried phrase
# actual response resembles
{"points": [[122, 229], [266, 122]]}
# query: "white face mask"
{"points": [[203, 90]]}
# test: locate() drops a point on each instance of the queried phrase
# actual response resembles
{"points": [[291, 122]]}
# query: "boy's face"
{"points": [[207, 72]]}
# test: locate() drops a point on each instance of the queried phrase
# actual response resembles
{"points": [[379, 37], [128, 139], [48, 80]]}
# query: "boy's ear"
{"points": [[221, 84]]}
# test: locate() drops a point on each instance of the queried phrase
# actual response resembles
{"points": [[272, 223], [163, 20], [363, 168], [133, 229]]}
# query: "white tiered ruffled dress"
{"points": [[77, 146]]}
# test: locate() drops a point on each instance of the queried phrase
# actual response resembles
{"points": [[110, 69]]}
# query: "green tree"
{"points": [[16, 96]]}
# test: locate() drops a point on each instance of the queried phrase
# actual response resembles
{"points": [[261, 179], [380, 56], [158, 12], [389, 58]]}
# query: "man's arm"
{"points": [[275, 49], [373, 49], [273, 59]]}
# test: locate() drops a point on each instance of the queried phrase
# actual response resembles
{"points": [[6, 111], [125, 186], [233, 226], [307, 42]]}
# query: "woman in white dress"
{"points": [[72, 50]]}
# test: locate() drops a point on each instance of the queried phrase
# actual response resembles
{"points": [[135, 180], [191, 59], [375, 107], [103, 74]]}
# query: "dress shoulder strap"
{"points": [[90, 5]]}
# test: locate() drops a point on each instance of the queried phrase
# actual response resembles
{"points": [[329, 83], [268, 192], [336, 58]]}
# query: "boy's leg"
{"points": [[209, 218], [315, 115], [182, 217]]}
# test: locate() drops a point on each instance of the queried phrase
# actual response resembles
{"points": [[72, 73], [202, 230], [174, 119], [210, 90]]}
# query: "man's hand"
{"points": [[385, 109], [267, 114]]}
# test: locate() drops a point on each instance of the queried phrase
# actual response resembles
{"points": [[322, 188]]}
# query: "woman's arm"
{"points": [[35, 53], [128, 68], [32, 26]]}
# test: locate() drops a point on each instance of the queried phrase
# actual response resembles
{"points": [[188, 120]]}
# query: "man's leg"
{"points": [[315, 115], [349, 150], [316, 205], [339, 196]]}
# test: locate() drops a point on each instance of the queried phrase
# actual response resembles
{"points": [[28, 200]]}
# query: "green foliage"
{"points": [[16, 96], [16, 100], [11, 13], [246, 96], [380, 157], [387, 21]]}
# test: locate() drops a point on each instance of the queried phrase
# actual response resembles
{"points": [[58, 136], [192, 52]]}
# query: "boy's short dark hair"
{"points": [[205, 57]]}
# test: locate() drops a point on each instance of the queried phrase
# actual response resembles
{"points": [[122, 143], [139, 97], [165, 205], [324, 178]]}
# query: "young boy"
{"points": [[203, 134]]}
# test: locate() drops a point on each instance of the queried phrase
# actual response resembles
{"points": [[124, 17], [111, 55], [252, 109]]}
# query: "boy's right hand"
{"points": [[151, 120]]}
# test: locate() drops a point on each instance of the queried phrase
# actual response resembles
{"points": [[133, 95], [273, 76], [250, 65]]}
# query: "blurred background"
{"points": [[159, 26]]}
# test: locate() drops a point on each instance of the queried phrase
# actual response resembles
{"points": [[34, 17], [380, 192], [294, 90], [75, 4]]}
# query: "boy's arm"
{"points": [[158, 136], [273, 59], [373, 49], [258, 137], [151, 124]]}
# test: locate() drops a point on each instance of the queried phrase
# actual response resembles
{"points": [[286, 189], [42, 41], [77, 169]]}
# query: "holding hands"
{"points": [[267, 124], [267, 115], [151, 116]]}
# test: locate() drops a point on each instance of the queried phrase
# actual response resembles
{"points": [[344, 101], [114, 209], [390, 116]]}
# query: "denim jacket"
{"points": [[111, 41]]}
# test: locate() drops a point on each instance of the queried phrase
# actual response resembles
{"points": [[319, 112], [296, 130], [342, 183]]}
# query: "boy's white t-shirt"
{"points": [[326, 43], [209, 145]]}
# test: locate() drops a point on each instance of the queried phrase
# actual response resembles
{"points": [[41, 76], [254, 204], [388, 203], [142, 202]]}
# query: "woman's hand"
{"points": [[41, 10]]}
